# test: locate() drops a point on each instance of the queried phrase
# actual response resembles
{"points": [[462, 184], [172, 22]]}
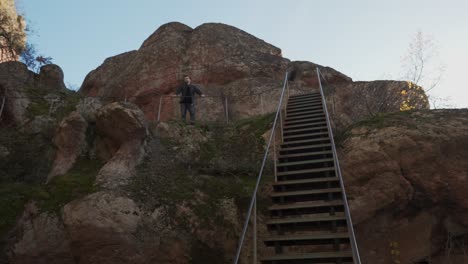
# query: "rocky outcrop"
{"points": [[406, 180], [50, 78], [121, 131], [22, 87], [41, 239], [14, 78], [222, 60], [100, 227], [70, 141]]}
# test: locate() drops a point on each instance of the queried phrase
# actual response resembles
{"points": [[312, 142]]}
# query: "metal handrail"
{"points": [[265, 156], [354, 246]]}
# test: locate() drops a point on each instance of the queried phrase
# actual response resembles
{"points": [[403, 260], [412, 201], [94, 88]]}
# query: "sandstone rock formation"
{"points": [[70, 140], [21, 87], [406, 176], [223, 60], [122, 130], [42, 239], [228, 62], [179, 194]]}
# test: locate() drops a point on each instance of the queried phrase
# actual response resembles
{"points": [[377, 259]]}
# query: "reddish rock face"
{"points": [[218, 57], [70, 142], [406, 178]]}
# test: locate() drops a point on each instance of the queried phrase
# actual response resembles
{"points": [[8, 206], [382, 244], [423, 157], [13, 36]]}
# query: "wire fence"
{"points": [[221, 108]]}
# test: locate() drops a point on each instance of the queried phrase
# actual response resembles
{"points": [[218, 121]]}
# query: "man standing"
{"points": [[187, 98]]}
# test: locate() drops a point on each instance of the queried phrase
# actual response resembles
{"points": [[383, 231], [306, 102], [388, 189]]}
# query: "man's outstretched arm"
{"points": [[198, 91]]}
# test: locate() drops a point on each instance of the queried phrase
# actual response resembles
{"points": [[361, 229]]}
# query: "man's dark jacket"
{"points": [[188, 93]]}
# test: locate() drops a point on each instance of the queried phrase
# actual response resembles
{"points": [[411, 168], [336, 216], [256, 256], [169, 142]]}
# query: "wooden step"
{"points": [[305, 141], [306, 135], [288, 124], [304, 121], [307, 219], [305, 162], [296, 109], [303, 129], [301, 114], [302, 205], [304, 103], [294, 172], [286, 128], [304, 124], [306, 154], [306, 192], [305, 237], [302, 96], [305, 147], [311, 256], [310, 116]]}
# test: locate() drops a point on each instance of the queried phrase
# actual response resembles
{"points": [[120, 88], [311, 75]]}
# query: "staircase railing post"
{"points": [[260, 173], [354, 247], [261, 104], [3, 104], [227, 110], [274, 158], [255, 231], [159, 108]]}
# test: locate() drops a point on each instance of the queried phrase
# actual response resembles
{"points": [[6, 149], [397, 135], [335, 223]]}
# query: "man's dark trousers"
{"points": [[190, 108]]}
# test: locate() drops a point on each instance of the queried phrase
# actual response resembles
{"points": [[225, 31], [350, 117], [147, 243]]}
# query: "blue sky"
{"points": [[363, 39]]}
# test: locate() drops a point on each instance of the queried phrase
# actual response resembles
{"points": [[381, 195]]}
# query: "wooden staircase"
{"points": [[308, 222]]}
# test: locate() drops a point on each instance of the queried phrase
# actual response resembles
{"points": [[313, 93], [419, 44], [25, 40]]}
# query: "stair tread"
{"points": [[305, 256], [313, 102], [286, 131], [309, 204], [292, 172], [287, 128], [297, 109], [305, 147], [305, 141], [311, 113], [305, 154], [309, 218], [303, 181], [310, 236], [303, 162], [307, 135], [306, 119], [313, 118], [302, 125], [299, 96], [314, 191]]}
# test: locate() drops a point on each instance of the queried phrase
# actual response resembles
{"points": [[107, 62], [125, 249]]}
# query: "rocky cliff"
{"points": [[124, 189], [225, 62]]}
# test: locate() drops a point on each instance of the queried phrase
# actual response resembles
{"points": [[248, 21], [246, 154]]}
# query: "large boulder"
{"points": [[406, 180], [41, 238], [121, 130], [51, 78], [100, 227], [23, 88], [221, 59], [70, 141], [14, 79]]}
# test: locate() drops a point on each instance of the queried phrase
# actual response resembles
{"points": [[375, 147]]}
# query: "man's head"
{"points": [[187, 79]]}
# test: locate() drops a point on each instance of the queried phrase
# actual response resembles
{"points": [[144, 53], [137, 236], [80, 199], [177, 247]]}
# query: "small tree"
{"points": [[422, 67], [34, 61]]}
